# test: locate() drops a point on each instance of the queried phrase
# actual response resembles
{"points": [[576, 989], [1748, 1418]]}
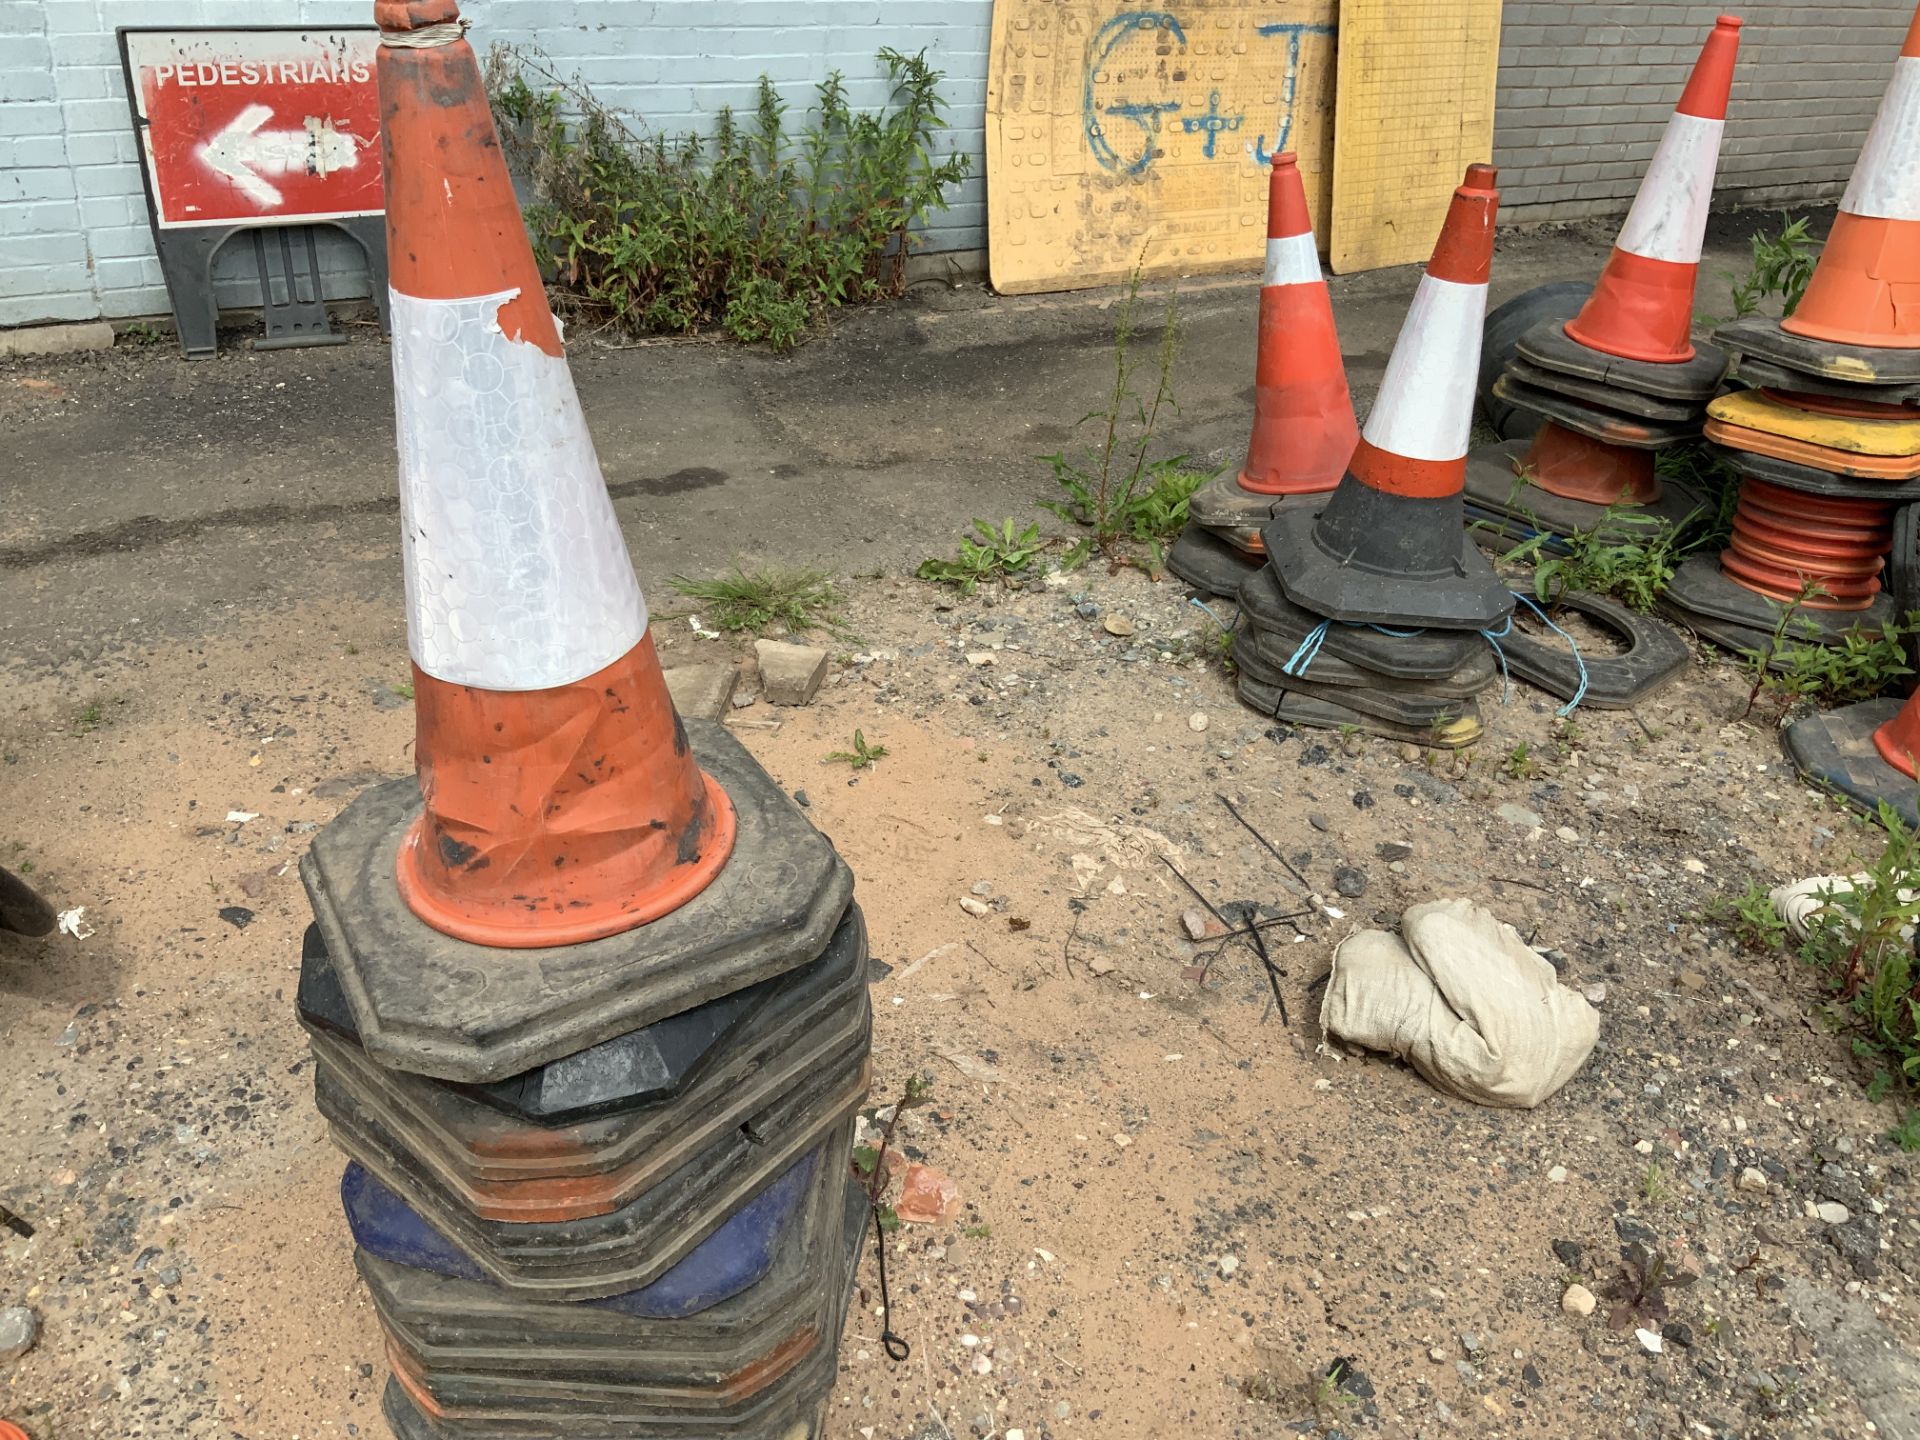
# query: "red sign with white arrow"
{"points": [[251, 126]]}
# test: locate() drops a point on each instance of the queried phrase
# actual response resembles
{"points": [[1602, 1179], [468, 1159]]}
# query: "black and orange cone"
{"points": [[562, 801], [1390, 546]]}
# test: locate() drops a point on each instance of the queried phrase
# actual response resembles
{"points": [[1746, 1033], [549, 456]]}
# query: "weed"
{"points": [[1639, 1288], [1655, 1187], [978, 1232], [351, 648], [1855, 665], [862, 757], [996, 553], [753, 229], [139, 332], [402, 688], [1751, 917], [25, 867], [1116, 487], [1627, 555], [869, 1161], [1519, 763], [1907, 1133], [1782, 265], [1857, 940], [796, 600], [89, 719]]}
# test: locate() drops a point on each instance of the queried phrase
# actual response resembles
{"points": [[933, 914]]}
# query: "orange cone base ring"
{"points": [[1641, 309], [1578, 467], [1866, 288], [1783, 539], [558, 816]]}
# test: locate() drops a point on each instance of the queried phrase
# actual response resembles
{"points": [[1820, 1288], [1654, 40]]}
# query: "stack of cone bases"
{"points": [[1303, 426], [1369, 609], [1623, 379], [1825, 431], [586, 996]]}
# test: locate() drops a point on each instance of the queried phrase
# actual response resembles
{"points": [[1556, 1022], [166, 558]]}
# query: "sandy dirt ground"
{"points": [[1178, 1210]]}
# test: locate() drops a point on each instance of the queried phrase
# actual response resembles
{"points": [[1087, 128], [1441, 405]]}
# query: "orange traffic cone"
{"points": [[562, 801], [1898, 739], [1390, 547], [1303, 426], [1865, 289], [1642, 309], [1573, 466]]}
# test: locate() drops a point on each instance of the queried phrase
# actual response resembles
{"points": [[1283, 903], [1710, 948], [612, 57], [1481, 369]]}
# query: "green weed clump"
{"points": [[995, 554], [752, 229], [758, 600], [1782, 265]]}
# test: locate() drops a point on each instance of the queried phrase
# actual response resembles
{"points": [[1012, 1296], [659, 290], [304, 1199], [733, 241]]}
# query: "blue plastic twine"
{"points": [[1580, 691]]}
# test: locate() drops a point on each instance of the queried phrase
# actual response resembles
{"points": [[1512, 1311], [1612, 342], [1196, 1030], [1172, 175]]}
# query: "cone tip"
{"points": [[1479, 179], [1911, 49], [1726, 22], [1285, 160], [400, 16]]}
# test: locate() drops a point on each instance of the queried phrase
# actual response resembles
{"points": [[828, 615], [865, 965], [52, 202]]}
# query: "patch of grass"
{"points": [[1655, 1186], [981, 1231], [402, 688], [1782, 265], [995, 554], [140, 333], [1629, 556], [1751, 918], [1116, 486], [754, 229], [755, 601], [1907, 1133], [1519, 763], [1856, 665], [862, 757]]}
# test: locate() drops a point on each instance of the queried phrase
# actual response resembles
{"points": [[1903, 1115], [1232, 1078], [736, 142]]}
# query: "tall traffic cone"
{"points": [[1642, 309], [562, 803], [1303, 425], [1391, 547], [1865, 290]]}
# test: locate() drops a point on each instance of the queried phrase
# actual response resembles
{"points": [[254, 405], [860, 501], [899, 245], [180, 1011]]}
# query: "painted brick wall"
{"points": [[1585, 91], [74, 239]]}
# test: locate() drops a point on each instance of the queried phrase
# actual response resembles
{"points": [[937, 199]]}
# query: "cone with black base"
{"points": [[1864, 753], [1390, 547]]}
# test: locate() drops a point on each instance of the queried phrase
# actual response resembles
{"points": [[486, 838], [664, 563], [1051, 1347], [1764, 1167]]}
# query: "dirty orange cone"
{"points": [[1898, 739], [1303, 425], [1865, 289], [1573, 466], [1642, 309], [1390, 547], [562, 803]]}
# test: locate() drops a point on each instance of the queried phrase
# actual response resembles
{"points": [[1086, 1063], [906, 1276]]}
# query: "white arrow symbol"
{"points": [[242, 151]]}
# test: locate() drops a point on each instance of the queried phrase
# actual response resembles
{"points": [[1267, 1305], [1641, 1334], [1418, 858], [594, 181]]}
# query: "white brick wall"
{"points": [[74, 238], [1584, 91]]}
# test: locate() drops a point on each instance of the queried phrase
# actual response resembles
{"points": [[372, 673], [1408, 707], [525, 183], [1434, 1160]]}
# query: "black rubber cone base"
{"points": [[425, 1002], [1429, 655], [1699, 586], [1810, 481], [1274, 653], [452, 1327], [1493, 485], [1221, 504], [1636, 432], [1654, 656], [642, 1067], [1600, 396], [1728, 635], [1835, 750], [1469, 597], [1859, 364], [1760, 373], [1549, 346], [1295, 707], [1402, 705], [497, 1404], [501, 1167], [1209, 564], [1557, 300], [608, 1254]]}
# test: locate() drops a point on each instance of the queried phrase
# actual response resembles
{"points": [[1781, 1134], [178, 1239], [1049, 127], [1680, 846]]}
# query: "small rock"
{"points": [[1567, 834], [1350, 882], [984, 1366], [1568, 1253], [19, 1329], [1751, 1180], [1518, 815], [1123, 1141], [1197, 721], [975, 908], [1393, 850], [1229, 1264], [1649, 1341], [1437, 1355], [1198, 924], [1319, 821], [800, 799], [1557, 1175], [167, 1276], [1692, 981], [1117, 625], [237, 916], [790, 674], [1832, 1212], [702, 692], [1595, 994], [980, 657], [1578, 1300], [983, 888], [1409, 753]]}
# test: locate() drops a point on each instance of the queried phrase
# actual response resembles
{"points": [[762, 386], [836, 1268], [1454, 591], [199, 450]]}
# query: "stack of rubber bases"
{"points": [[587, 1002], [1371, 609], [1303, 426], [1622, 379]]}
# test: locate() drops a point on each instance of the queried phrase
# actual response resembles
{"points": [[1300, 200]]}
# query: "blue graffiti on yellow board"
{"points": [[1289, 85], [1145, 115], [1213, 122]]}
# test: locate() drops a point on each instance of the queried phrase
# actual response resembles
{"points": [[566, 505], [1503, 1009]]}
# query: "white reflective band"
{"points": [[1886, 177], [1292, 260], [1669, 216], [517, 575], [1425, 409]]}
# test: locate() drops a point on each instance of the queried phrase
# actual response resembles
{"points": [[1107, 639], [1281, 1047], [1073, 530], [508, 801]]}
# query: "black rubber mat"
{"points": [[1549, 346], [1296, 708], [1655, 654], [1599, 395], [1863, 364], [1402, 707], [1209, 564], [1760, 373], [1428, 655], [1834, 750], [1636, 432], [1805, 478], [1698, 585]]}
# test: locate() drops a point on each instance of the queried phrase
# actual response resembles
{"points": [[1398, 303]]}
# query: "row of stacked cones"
{"points": [[587, 1002], [1827, 441]]}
